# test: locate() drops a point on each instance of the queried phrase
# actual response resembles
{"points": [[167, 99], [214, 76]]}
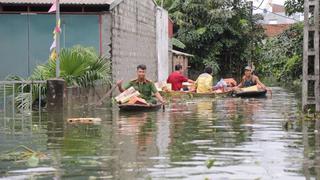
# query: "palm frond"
{"points": [[176, 42]]}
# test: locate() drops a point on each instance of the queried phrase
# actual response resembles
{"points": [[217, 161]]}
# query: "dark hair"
{"points": [[208, 70], [142, 66], [178, 67]]}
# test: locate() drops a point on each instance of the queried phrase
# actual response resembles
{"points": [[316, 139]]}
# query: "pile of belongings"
{"points": [[224, 85], [186, 86], [130, 96], [163, 86]]}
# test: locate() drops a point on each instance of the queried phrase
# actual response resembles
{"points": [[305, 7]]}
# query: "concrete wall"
{"points": [[162, 44], [134, 39], [77, 96], [105, 23]]}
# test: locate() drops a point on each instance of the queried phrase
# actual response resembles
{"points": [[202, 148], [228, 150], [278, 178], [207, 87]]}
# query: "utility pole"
{"points": [[311, 65], [250, 61], [57, 38]]}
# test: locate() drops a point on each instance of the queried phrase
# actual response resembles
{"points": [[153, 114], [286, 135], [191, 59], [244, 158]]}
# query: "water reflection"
{"points": [[244, 138]]}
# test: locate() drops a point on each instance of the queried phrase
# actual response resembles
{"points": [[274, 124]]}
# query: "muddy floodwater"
{"points": [[222, 138]]}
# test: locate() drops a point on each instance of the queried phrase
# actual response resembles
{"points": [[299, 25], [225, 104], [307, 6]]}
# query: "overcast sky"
{"points": [[265, 4]]}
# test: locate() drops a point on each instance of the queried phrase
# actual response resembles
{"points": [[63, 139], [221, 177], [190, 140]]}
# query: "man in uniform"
{"points": [[145, 87]]}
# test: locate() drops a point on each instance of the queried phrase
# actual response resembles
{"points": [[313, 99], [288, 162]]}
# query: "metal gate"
{"points": [[18, 100]]}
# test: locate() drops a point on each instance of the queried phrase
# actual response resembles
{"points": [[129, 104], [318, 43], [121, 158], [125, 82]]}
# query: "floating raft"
{"points": [[84, 120], [139, 107], [259, 93]]}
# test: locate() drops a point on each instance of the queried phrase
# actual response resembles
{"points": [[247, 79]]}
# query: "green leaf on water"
{"points": [[33, 160], [210, 163]]}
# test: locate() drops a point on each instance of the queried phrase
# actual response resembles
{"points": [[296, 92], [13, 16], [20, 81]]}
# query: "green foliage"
{"points": [[281, 56], [177, 43], [293, 6], [210, 163], [23, 153], [219, 33], [79, 66]]}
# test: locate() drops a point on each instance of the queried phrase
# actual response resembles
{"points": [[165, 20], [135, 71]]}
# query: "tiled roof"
{"points": [[89, 2]]}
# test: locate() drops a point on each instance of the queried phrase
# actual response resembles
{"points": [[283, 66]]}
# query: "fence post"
{"points": [[55, 94]]}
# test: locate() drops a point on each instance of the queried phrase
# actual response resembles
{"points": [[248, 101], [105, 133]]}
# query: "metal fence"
{"points": [[19, 96], [18, 100]]}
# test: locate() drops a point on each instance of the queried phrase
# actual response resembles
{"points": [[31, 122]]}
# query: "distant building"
{"points": [[275, 20], [272, 30]]}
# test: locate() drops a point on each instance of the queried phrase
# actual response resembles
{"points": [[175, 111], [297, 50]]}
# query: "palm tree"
{"points": [[79, 66]]}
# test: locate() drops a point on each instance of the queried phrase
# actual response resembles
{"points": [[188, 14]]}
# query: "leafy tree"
{"points": [[219, 33], [79, 66], [293, 6], [281, 56]]}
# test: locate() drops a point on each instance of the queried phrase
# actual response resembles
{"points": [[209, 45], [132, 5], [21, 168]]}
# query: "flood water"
{"points": [[222, 138]]}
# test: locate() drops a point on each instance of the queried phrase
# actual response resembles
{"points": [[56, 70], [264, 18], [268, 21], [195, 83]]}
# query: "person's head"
{"points": [[208, 70], [141, 71], [247, 71], [178, 67]]}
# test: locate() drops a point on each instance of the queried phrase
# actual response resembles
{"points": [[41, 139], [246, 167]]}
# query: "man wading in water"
{"points": [[145, 87]]}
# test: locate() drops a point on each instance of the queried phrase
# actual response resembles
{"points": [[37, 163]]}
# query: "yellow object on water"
{"points": [[251, 88]]}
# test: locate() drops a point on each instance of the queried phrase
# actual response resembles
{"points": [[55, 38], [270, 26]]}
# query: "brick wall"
{"points": [[134, 39], [106, 34], [272, 30], [277, 8]]}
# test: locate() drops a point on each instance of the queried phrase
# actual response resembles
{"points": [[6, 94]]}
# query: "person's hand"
{"points": [[264, 87], [236, 88], [119, 82], [163, 102]]}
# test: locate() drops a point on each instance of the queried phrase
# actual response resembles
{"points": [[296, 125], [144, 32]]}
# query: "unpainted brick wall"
{"points": [[106, 34], [134, 39]]}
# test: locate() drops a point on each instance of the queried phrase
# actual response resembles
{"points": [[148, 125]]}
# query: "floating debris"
{"points": [[210, 163], [31, 157], [35, 170], [84, 120]]}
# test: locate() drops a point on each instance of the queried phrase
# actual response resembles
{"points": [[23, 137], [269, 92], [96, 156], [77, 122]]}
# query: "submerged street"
{"points": [[222, 138]]}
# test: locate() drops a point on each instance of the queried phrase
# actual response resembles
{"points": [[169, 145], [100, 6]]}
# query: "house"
{"points": [[182, 59], [129, 32], [276, 21], [272, 30]]}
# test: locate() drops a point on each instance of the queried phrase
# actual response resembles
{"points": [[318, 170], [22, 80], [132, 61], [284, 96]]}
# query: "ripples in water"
{"points": [[241, 138]]}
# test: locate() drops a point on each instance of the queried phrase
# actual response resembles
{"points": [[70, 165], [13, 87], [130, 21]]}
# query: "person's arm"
{"points": [[119, 84], [191, 81], [240, 85], [185, 79], [260, 83], [159, 97], [126, 86], [156, 93]]}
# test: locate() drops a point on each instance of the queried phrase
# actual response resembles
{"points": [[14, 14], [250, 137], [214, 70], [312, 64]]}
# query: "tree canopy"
{"points": [[219, 33], [293, 6], [281, 56]]}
